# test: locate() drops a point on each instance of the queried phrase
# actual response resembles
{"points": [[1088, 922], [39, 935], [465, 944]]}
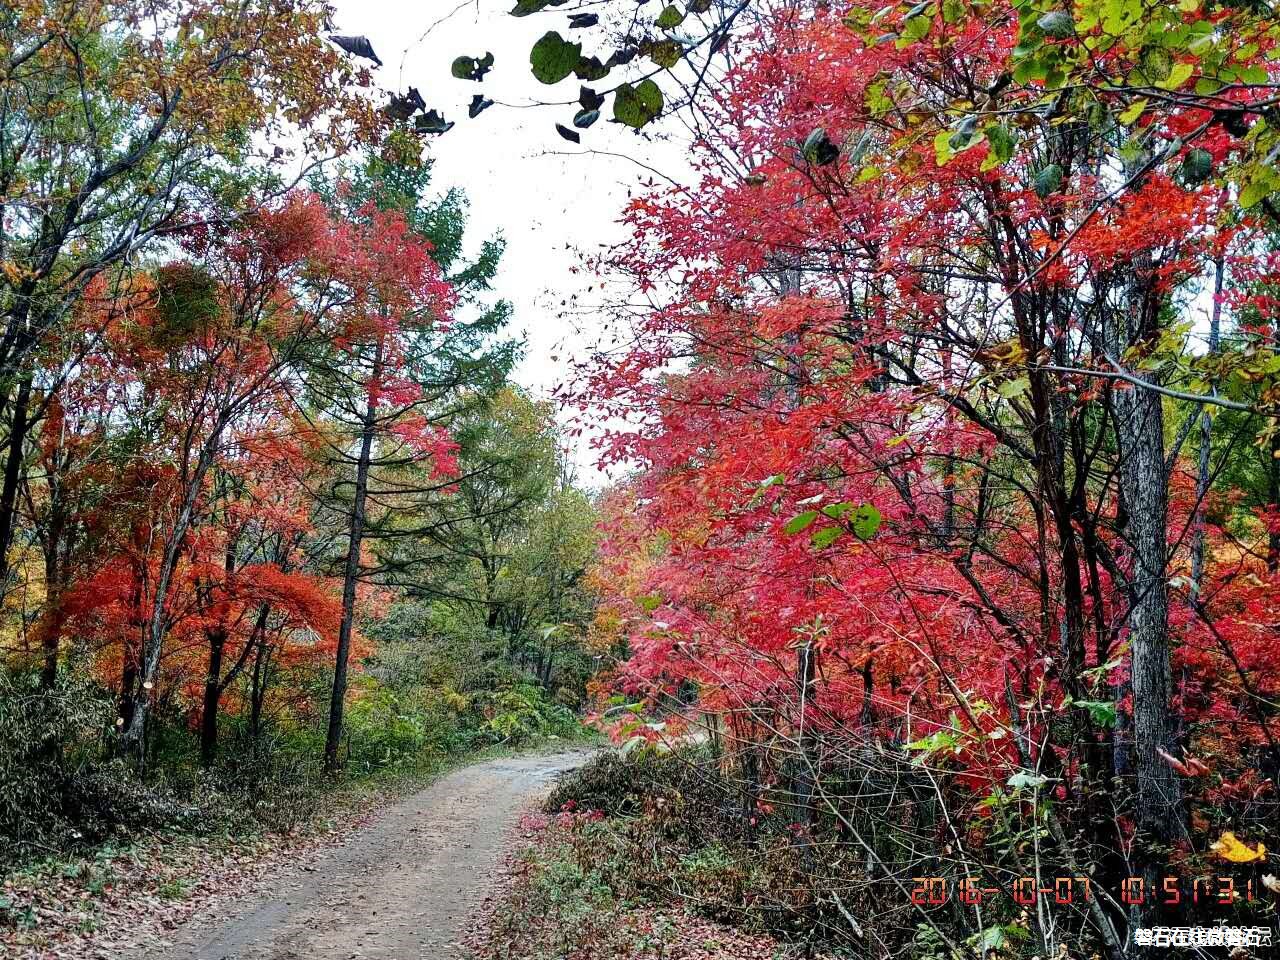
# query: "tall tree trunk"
{"points": [[258, 691], [351, 575], [212, 694], [545, 674], [51, 630], [133, 738], [12, 474], [806, 761], [1273, 499], [51, 626], [1140, 433], [129, 688]]}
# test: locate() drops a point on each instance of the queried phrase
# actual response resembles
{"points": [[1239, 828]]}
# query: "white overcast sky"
{"points": [[553, 201]]}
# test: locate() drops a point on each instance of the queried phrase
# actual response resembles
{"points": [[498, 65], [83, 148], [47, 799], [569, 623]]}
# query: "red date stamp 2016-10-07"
{"points": [[1170, 891]]}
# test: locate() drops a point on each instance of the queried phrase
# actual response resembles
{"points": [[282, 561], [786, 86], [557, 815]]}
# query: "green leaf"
{"points": [[1134, 111], [1014, 388], [670, 18], [878, 101], [665, 53], [525, 7], [1025, 71], [826, 536], [1057, 24], [1048, 180], [1179, 74], [1253, 192], [866, 521], [1102, 712], [636, 106], [1001, 141], [990, 940], [650, 602], [800, 522], [553, 57], [838, 510], [472, 68], [934, 743], [917, 28], [942, 147], [965, 135], [590, 68], [1197, 165], [1157, 64], [1254, 74]]}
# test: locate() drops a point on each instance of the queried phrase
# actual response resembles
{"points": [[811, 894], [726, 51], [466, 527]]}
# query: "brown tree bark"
{"points": [[351, 574], [212, 695], [1158, 802], [12, 474]]}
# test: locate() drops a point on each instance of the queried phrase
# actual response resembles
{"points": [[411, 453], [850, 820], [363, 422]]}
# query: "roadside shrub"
{"points": [[694, 798], [675, 829], [279, 786], [42, 734], [106, 797], [56, 790], [386, 728], [522, 713]]}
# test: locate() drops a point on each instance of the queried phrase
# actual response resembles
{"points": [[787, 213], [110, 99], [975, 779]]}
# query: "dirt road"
{"points": [[399, 889]]}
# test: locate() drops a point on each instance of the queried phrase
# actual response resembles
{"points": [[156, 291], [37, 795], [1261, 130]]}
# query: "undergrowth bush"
{"points": [[523, 713], [663, 827], [684, 790], [57, 789]]}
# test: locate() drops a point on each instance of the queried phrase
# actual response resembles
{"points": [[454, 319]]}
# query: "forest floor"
{"points": [[397, 882]]}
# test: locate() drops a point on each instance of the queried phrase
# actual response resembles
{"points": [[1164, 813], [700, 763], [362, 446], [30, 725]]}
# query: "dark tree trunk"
{"points": [[1273, 497], [258, 691], [12, 474], [1159, 791], [128, 695], [750, 787], [212, 695], [865, 715], [52, 627], [1158, 808], [351, 574], [546, 668]]}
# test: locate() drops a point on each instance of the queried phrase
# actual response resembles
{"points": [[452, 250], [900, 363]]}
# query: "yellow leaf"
{"points": [[1179, 75], [1134, 111], [1233, 851]]}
